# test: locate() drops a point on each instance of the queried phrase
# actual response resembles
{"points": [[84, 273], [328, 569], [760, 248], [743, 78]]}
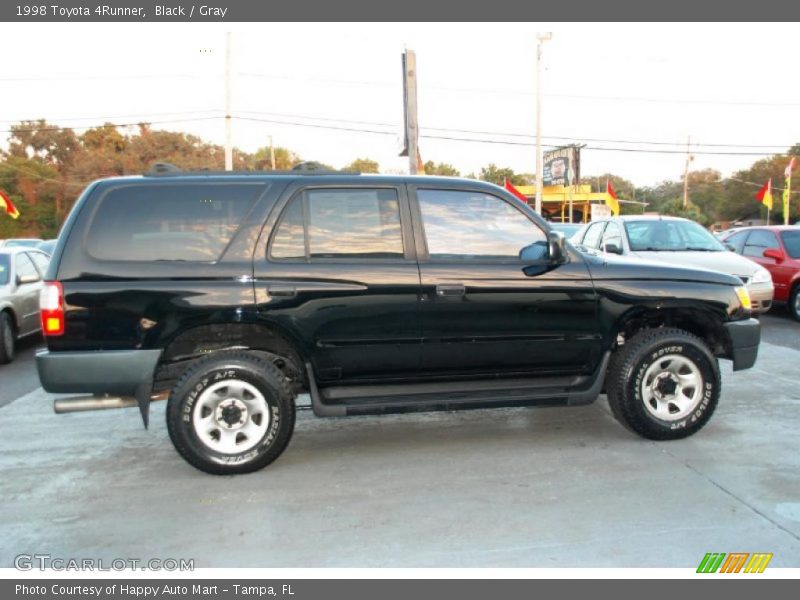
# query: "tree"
{"points": [[285, 159], [498, 175], [363, 165], [444, 169]]}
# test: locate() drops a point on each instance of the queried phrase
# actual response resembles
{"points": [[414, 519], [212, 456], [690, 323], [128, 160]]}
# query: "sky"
{"points": [[308, 86]]}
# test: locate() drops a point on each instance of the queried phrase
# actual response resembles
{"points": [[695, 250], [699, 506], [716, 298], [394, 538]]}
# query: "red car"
{"points": [[777, 249]]}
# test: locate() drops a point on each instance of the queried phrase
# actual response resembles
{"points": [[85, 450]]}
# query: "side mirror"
{"points": [[612, 249], [556, 246], [775, 253], [23, 279], [730, 247]]}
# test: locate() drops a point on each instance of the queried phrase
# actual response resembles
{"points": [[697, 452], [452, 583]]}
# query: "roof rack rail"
{"points": [[162, 168]]}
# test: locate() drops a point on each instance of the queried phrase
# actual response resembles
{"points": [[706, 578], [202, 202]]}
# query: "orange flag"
{"points": [[764, 195], [611, 198], [8, 206]]}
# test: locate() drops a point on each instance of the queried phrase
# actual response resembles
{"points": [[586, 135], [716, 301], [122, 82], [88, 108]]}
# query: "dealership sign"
{"points": [[562, 166]]}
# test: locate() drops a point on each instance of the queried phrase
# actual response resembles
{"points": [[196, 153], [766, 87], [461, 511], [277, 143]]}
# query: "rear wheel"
{"points": [[794, 302], [664, 384], [8, 340], [232, 412]]}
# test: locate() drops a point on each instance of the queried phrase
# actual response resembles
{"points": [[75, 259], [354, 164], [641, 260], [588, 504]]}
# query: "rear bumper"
{"points": [[744, 337], [115, 372]]}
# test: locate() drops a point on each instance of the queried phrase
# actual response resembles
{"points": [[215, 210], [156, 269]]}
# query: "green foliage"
{"points": [[498, 175], [441, 168], [285, 159], [363, 165]]}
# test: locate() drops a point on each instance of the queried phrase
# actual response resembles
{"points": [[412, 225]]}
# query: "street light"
{"points": [[540, 37]]}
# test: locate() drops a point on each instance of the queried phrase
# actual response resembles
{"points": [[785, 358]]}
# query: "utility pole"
{"points": [[412, 126], [271, 153], [689, 158], [540, 38], [228, 124]]}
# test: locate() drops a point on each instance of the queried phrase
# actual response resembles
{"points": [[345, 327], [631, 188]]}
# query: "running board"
{"points": [[341, 401]]}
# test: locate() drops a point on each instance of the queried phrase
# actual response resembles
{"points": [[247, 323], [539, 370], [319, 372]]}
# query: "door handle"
{"points": [[281, 291], [450, 290]]}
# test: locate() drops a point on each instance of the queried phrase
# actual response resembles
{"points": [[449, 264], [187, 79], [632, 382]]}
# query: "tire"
{"points": [[794, 302], [663, 384], [8, 339], [231, 413]]}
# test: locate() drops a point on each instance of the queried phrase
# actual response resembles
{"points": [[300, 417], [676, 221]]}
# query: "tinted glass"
{"points": [[737, 240], [667, 235], [759, 241], [192, 222], [791, 239], [476, 225], [592, 237], [5, 269], [41, 261], [354, 223], [25, 266]]}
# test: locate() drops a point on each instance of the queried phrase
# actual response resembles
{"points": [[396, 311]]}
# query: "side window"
{"points": [[592, 237], [24, 266], [41, 262], [340, 223], [737, 241], [187, 221], [460, 224], [612, 235], [759, 241]]}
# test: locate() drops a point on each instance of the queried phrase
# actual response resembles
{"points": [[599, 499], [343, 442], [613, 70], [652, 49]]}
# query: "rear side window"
{"points": [[791, 239], [340, 223], [191, 222], [5, 269]]}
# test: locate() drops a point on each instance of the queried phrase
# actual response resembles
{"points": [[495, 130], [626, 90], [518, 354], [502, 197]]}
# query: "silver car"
{"points": [[679, 242], [21, 273]]}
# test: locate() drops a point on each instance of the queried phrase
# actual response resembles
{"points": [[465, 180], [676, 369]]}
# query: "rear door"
{"points": [[487, 304], [27, 294], [335, 269]]}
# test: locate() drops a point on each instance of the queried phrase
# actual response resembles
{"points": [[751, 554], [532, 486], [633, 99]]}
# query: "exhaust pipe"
{"points": [[85, 403]]}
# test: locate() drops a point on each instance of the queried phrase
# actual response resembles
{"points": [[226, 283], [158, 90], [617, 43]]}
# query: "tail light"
{"points": [[51, 303]]}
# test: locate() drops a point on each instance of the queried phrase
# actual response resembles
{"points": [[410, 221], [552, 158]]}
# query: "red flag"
{"points": [[764, 195], [611, 198], [510, 187], [10, 209]]}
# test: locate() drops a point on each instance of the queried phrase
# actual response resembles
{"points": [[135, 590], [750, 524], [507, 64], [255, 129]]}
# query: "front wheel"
{"points": [[794, 303], [232, 412], [7, 339], [663, 384]]}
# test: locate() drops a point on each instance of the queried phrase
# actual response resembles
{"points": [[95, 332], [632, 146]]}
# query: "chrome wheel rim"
{"points": [[231, 416], [672, 387], [797, 304]]}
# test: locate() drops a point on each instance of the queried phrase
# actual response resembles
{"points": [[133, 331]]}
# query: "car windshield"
{"points": [[657, 235], [5, 269], [791, 239]]}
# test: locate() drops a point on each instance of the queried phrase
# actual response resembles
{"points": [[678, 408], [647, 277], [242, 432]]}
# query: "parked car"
{"points": [[47, 246], [676, 241], [22, 243], [777, 249], [232, 293], [21, 274]]}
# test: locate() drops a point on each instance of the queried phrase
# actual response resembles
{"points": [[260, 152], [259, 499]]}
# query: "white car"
{"points": [[21, 273], [678, 242]]}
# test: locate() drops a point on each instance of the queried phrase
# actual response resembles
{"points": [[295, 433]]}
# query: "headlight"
{"points": [[762, 276], [744, 297]]}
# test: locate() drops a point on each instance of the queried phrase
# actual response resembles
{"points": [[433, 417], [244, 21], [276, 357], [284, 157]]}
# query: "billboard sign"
{"points": [[562, 166]]}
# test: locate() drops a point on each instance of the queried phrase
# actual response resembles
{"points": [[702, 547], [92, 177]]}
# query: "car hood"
{"points": [[725, 261], [612, 266]]}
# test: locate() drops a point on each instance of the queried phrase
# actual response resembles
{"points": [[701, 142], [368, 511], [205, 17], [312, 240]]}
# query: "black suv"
{"points": [[229, 294]]}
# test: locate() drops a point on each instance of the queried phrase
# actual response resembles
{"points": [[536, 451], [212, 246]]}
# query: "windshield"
{"points": [[658, 235], [791, 239], [5, 269]]}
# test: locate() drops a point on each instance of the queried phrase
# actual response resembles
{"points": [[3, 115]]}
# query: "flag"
{"points": [[764, 195], [790, 167], [787, 189], [510, 187], [611, 198], [8, 206], [420, 164]]}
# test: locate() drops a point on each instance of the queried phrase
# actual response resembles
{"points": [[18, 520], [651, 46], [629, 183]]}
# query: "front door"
{"points": [[338, 274], [490, 304]]}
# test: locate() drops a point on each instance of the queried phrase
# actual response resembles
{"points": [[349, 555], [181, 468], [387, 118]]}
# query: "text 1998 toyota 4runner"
{"points": [[231, 293]]}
